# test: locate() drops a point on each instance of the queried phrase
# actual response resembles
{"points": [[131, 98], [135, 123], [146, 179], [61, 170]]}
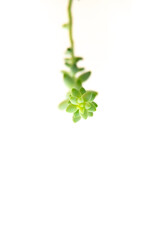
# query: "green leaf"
{"points": [[80, 100], [95, 104], [75, 92], [69, 51], [76, 69], [76, 119], [73, 100], [68, 94], [77, 59], [71, 108], [68, 65], [76, 114], [68, 61], [92, 108], [69, 81], [85, 114], [94, 94], [63, 105], [89, 96], [82, 78], [90, 114], [87, 105], [78, 85], [82, 90], [66, 25], [81, 110]]}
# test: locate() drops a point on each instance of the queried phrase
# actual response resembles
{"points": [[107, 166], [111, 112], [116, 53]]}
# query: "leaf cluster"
{"points": [[80, 103], [75, 76]]}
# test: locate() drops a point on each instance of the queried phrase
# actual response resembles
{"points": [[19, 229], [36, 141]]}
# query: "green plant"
{"points": [[78, 101]]}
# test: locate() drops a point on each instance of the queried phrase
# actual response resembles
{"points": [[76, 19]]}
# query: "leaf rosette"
{"points": [[80, 103]]}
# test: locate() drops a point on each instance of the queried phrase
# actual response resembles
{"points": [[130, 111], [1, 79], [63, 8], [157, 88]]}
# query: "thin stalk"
{"points": [[70, 27]]}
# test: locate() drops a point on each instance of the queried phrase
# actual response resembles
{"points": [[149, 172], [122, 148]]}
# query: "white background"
{"points": [[98, 179]]}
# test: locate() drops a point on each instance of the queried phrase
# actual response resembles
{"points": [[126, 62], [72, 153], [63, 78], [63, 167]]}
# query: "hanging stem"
{"points": [[79, 101], [70, 27]]}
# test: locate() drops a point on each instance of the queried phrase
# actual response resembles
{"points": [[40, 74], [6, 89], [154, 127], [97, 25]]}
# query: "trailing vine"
{"points": [[78, 101]]}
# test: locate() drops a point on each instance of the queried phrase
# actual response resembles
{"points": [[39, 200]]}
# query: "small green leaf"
{"points": [[82, 78], [92, 108], [90, 114], [71, 108], [75, 69], [82, 90], [68, 94], [80, 100], [76, 119], [81, 110], [85, 114], [69, 51], [75, 93], [87, 96], [66, 25], [76, 114], [63, 105], [73, 100], [94, 94], [69, 81], [77, 59], [78, 85], [95, 104], [87, 105], [68, 61], [80, 69], [68, 65]]}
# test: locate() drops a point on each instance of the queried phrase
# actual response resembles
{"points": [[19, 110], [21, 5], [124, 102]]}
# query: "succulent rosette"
{"points": [[80, 103]]}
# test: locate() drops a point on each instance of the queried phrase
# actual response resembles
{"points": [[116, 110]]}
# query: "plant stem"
{"points": [[70, 27]]}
